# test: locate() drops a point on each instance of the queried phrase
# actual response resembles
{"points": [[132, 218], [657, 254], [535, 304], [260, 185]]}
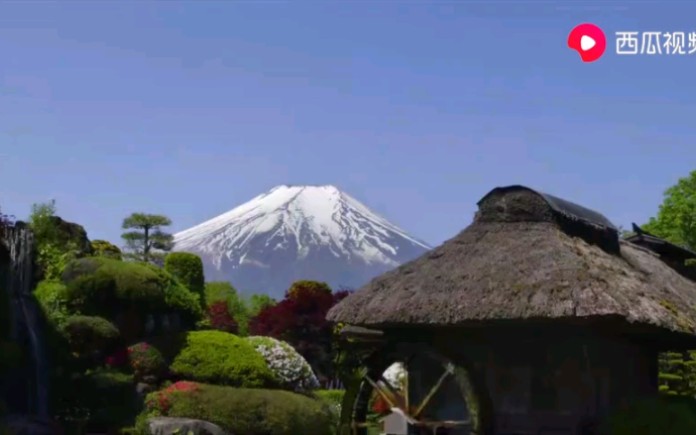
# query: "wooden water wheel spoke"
{"points": [[449, 370], [381, 392], [417, 363]]}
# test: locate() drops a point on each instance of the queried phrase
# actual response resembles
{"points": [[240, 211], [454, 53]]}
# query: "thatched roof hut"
{"points": [[528, 256]]}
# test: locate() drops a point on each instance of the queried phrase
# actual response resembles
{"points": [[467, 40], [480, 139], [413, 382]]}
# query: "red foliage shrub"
{"points": [[161, 400], [300, 319], [118, 358], [221, 319]]}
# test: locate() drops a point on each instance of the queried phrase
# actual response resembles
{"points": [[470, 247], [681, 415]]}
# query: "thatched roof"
{"points": [[528, 256]]}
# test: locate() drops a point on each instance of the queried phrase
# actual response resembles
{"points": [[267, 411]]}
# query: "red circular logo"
{"points": [[588, 40]]}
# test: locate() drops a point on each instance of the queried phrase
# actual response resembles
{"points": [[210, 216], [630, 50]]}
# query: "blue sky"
{"points": [[415, 108]]}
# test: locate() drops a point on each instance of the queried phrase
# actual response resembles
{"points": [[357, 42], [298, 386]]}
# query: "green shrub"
{"points": [[106, 398], [218, 357], [87, 334], [654, 417], [91, 281], [188, 269], [247, 411], [146, 360], [102, 248], [53, 299], [333, 400]]}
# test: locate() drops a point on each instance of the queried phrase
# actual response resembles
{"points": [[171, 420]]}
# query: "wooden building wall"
{"points": [[551, 383]]}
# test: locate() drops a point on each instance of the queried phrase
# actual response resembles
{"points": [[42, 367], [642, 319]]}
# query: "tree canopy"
{"points": [[676, 217], [146, 241]]}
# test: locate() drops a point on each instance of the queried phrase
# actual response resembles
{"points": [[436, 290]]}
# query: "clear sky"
{"points": [[415, 108]]}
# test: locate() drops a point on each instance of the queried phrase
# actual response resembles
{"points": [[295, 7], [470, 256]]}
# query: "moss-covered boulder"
{"points": [[218, 357], [70, 233], [243, 411]]}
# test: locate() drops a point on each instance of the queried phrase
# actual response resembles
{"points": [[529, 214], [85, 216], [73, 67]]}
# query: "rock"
{"points": [[142, 389], [183, 426], [72, 232]]}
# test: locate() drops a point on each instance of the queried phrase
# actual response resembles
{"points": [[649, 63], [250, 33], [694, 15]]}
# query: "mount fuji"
{"points": [[298, 232]]}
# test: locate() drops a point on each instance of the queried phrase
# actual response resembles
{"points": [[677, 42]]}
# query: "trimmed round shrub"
{"points": [[87, 334], [654, 417], [105, 398], [98, 284], [217, 357], [334, 401], [146, 360], [308, 286], [247, 411], [188, 269], [291, 369], [103, 248]]}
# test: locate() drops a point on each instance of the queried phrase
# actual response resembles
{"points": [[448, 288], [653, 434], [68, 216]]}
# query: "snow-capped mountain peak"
{"points": [[299, 223]]}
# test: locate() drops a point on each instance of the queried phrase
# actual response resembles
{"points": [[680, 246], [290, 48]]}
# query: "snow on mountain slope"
{"points": [[298, 232]]}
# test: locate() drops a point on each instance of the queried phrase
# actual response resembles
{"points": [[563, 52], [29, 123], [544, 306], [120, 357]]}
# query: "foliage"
{"points": [[676, 218], [219, 318], [146, 360], [105, 397], [334, 400], [240, 309], [677, 375], [56, 243], [300, 319], [654, 417], [221, 358], [6, 220], [88, 334], [249, 411], [258, 302], [145, 235], [291, 369], [188, 269], [102, 248], [162, 400], [305, 286], [95, 284]]}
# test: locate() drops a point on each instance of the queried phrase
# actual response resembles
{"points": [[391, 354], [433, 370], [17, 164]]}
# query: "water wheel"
{"points": [[433, 397]]}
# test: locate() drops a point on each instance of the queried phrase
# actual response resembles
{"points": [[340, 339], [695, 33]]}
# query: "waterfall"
{"points": [[25, 311]]}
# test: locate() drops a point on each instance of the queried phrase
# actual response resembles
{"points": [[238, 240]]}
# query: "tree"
{"points": [[188, 269], [300, 319], [146, 235], [676, 218], [258, 302], [220, 318], [55, 246]]}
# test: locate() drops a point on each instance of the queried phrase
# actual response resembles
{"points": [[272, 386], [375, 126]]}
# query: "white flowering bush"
{"points": [[291, 369]]}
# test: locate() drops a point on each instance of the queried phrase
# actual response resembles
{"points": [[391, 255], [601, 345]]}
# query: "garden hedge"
{"points": [[246, 411], [87, 334], [661, 416], [218, 357]]}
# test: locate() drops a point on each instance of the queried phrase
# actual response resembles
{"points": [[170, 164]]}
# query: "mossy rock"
{"points": [[218, 357], [249, 411]]}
